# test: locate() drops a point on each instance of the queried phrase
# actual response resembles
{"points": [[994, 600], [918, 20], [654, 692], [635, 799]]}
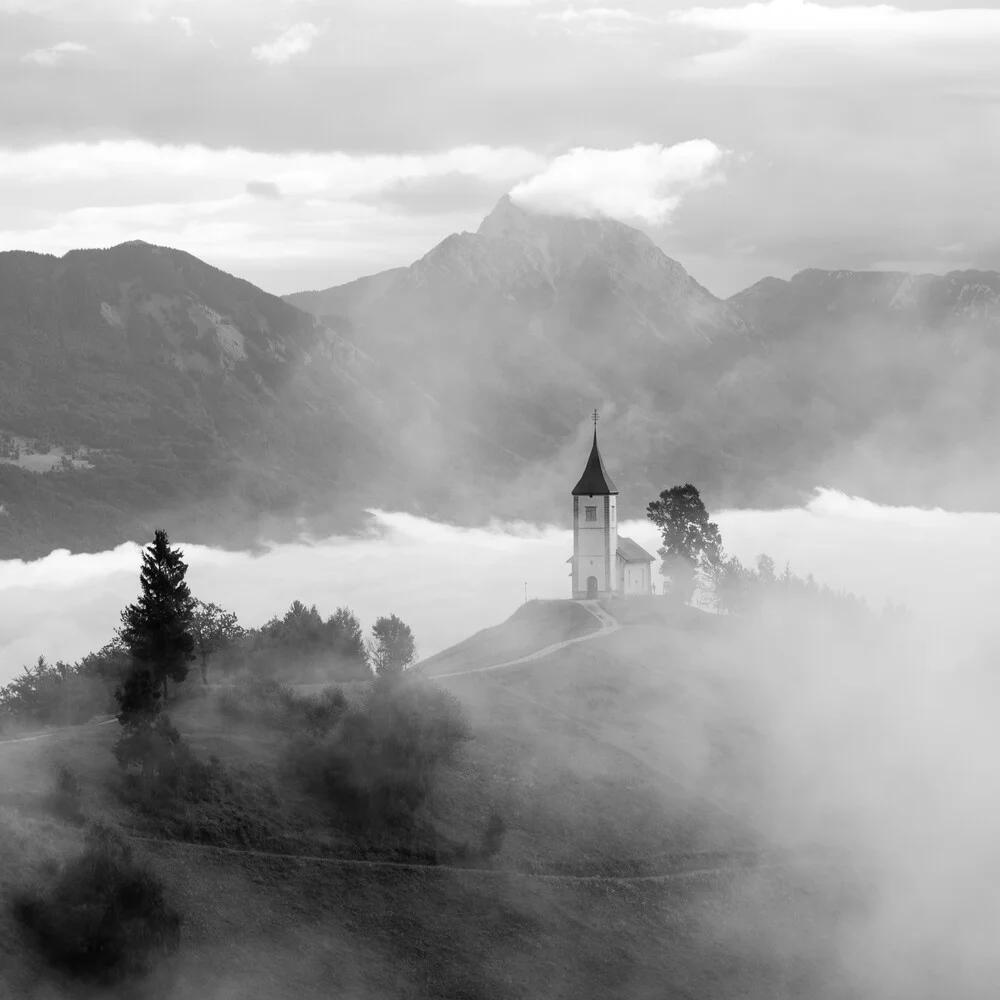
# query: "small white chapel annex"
{"points": [[604, 563]]}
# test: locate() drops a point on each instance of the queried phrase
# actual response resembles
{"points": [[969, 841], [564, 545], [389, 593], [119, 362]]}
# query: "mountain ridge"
{"points": [[140, 385]]}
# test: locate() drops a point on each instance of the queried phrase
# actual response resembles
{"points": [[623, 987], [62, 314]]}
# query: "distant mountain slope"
{"points": [[140, 386], [526, 325], [172, 391], [888, 378], [877, 383]]}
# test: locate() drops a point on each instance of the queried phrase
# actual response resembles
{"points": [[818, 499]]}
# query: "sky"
{"points": [[303, 143]]}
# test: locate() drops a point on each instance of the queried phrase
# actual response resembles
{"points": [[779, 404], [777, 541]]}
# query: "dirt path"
{"points": [[52, 732], [663, 877], [608, 625]]}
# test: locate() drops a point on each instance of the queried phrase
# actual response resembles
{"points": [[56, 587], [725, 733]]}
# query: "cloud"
{"points": [[365, 212], [599, 20], [184, 23], [337, 174], [55, 53], [503, 3], [294, 42], [803, 17], [644, 182], [264, 189], [783, 41], [443, 194]]}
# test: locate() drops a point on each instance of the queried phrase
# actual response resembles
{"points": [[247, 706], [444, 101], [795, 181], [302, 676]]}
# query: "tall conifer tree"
{"points": [[158, 629]]}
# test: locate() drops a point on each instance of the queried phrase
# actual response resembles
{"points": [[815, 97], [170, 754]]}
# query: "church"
{"points": [[604, 563]]}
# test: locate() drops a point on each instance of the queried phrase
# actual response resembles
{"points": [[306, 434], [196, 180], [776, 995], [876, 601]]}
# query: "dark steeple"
{"points": [[595, 480]]}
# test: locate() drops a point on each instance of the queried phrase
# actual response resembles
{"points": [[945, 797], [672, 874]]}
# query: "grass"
{"points": [[604, 759], [533, 626]]}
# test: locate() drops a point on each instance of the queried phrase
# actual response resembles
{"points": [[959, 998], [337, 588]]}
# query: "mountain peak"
{"points": [[509, 219]]}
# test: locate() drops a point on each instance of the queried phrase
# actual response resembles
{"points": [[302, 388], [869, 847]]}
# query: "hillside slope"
{"points": [[623, 873]]}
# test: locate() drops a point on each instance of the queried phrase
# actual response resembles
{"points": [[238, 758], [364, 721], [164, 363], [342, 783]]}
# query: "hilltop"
{"points": [[633, 862]]}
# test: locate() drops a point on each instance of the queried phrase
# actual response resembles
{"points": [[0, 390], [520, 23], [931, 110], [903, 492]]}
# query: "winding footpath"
{"points": [[608, 625], [51, 732]]}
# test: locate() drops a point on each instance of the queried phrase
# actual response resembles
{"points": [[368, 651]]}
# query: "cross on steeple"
{"points": [[595, 419]]}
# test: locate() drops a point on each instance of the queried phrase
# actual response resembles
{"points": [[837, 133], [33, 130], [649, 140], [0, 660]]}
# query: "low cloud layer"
{"points": [[449, 582], [644, 183]]}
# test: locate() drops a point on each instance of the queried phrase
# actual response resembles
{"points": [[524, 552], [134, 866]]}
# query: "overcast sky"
{"points": [[301, 143]]}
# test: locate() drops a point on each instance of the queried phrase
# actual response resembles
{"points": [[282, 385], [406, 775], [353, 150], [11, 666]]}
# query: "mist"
{"points": [[448, 582]]}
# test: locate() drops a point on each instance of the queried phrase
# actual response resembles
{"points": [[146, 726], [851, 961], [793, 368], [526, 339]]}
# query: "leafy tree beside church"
{"points": [[691, 542]]}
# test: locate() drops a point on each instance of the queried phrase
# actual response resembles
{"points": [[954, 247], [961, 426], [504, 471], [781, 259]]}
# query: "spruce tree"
{"points": [[157, 630]]}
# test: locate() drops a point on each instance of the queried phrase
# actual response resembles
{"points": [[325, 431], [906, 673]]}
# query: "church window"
{"points": [[591, 513]]}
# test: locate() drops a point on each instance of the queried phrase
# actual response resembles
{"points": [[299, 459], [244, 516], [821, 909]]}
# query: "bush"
{"points": [[104, 917], [276, 705], [153, 746], [493, 836], [206, 803], [375, 767], [64, 800], [54, 694]]}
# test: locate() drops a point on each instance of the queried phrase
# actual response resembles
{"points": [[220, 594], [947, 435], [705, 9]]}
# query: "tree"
{"points": [[391, 649], [214, 629], [733, 586], [157, 629], [690, 541], [346, 636]]}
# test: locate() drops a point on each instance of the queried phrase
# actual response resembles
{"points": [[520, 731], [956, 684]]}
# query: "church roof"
{"points": [[633, 552], [595, 480]]}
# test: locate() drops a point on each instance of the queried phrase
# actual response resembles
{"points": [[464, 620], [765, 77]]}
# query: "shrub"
{"points": [[152, 745], [104, 916], [206, 803], [64, 800], [53, 694], [276, 705], [375, 767], [493, 837]]}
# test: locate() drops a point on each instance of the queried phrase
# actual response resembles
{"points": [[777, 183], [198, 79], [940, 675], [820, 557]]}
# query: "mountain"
{"points": [[524, 326], [888, 378], [876, 383], [141, 386]]}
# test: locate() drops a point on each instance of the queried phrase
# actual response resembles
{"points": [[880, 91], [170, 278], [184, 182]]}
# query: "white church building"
{"points": [[604, 563]]}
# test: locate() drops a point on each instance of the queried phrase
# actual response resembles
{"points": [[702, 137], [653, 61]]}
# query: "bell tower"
{"points": [[594, 571]]}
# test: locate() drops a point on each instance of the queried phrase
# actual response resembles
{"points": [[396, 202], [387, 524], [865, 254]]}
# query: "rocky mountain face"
{"points": [[140, 387]]}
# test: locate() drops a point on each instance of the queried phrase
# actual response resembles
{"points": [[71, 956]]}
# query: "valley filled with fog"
{"points": [[448, 582]]}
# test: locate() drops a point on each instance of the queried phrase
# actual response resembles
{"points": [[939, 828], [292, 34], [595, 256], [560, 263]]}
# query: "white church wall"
{"points": [[596, 550]]}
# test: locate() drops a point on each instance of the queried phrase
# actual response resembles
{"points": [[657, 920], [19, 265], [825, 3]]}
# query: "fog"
{"points": [[874, 746], [448, 582]]}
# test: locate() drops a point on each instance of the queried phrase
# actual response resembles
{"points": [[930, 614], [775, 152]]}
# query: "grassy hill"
{"points": [[534, 626], [632, 865]]}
